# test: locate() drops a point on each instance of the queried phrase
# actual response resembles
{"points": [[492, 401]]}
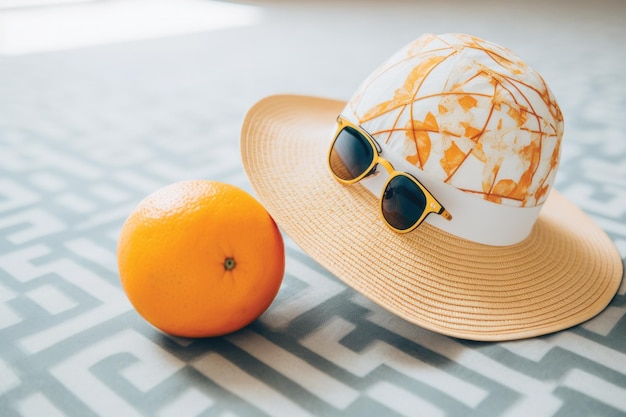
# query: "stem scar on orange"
{"points": [[200, 258]]}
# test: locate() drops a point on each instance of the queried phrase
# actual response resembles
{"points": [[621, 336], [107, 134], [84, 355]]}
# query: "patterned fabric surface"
{"points": [[87, 133]]}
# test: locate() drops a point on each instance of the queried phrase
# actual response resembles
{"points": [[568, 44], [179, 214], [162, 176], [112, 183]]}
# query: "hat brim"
{"points": [[563, 274]]}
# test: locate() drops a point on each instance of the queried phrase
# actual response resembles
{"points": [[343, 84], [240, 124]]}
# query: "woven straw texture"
{"points": [[564, 273]]}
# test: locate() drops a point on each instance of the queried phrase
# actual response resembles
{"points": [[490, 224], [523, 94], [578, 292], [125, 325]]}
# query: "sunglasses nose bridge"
{"points": [[386, 164]]}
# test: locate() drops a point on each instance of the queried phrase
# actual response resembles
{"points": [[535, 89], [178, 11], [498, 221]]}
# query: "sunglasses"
{"points": [[405, 202]]}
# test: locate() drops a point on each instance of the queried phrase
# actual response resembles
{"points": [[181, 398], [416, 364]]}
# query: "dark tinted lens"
{"points": [[403, 202], [351, 155]]}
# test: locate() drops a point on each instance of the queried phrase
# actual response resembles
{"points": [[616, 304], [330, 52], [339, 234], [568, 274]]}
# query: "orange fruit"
{"points": [[200, 258]]}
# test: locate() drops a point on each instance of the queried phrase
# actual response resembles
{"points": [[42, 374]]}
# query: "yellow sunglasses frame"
{"points": [[432, 205]]}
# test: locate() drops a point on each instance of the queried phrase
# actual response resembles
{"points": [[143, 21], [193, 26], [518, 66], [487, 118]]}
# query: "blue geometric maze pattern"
{"points": [[72, 345]]}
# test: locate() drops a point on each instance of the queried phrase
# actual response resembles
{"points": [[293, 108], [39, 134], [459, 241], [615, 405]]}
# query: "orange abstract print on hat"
{"points": [[480, 132], [470, 114]]}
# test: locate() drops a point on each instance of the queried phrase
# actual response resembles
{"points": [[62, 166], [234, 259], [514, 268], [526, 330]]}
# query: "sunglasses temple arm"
{"points": [[445, 214]]}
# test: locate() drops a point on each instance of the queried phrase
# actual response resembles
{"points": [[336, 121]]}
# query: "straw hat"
{"points": [[482, 131]]}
